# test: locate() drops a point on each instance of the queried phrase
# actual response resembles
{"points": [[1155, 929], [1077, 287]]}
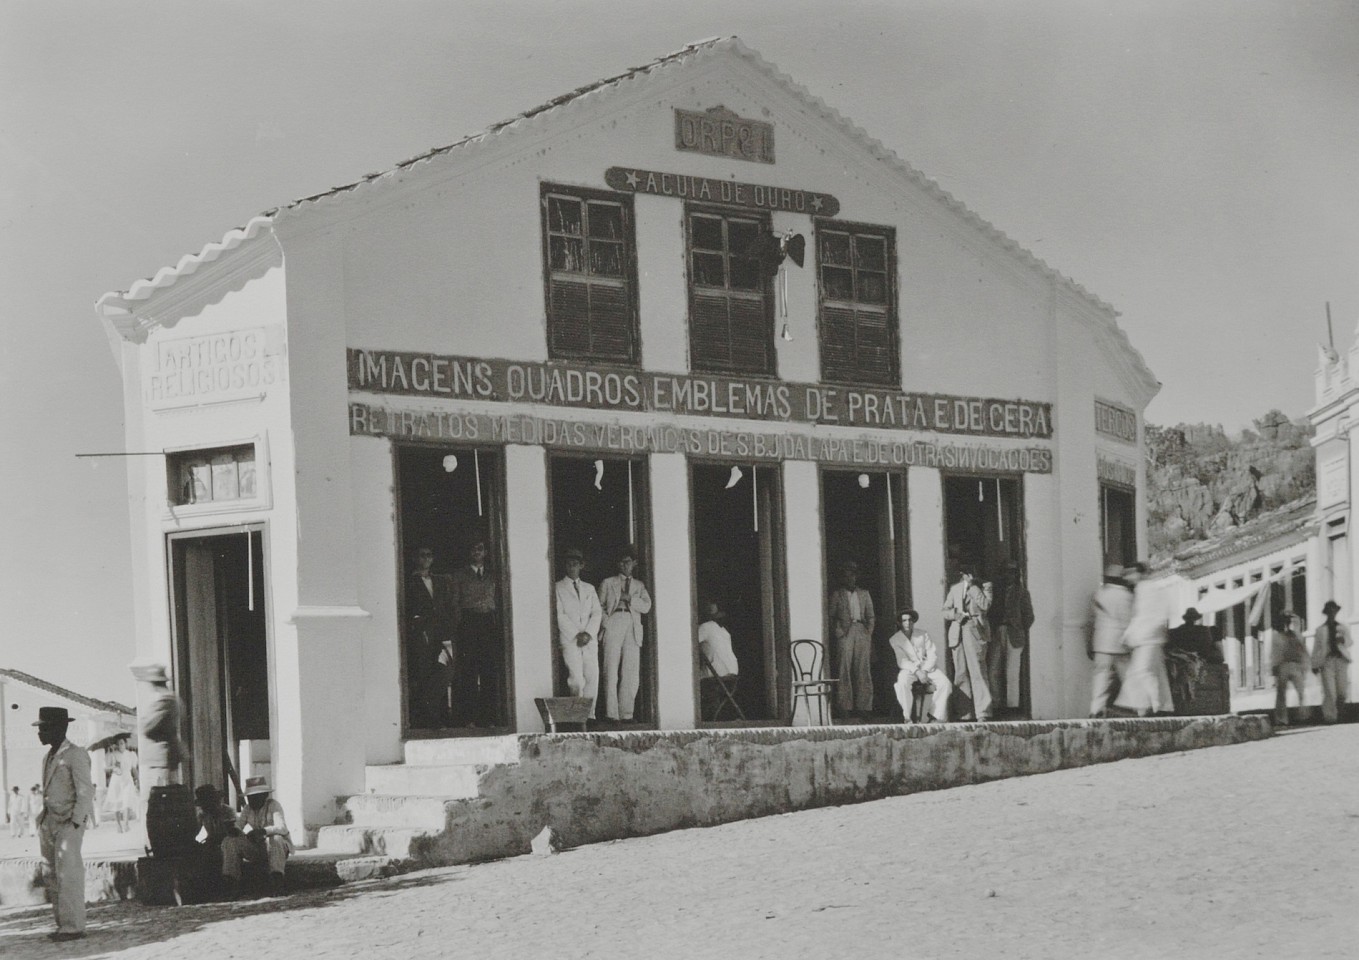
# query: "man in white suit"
{"points": [[68, 802], [965, 609], [578, 619], [918, 662], [624, 600]]}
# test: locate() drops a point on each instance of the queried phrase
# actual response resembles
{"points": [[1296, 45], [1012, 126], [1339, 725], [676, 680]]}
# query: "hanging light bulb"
{"points": [[863, 481], [735, 477], [599, 474], [450, 463]]}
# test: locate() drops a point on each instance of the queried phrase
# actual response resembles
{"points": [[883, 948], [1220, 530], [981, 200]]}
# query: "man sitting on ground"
{"points": [[917, 662], [263, 838]]}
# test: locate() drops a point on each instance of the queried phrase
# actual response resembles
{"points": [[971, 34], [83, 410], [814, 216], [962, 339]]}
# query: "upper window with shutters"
{"points": [[591, 274], [731, 319], [857, 304]]}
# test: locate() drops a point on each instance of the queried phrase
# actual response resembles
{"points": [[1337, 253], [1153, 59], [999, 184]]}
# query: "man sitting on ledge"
{"points": [[917, 663], [263, 838]]}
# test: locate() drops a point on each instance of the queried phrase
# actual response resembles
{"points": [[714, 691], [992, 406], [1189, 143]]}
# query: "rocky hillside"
{"points": [[1202, 482]]}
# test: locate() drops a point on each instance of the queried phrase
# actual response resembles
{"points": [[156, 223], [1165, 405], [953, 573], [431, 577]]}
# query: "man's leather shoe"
{"points": [[61, 936]]}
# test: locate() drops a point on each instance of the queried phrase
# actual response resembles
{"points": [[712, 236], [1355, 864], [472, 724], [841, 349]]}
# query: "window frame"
{"points": [[627, 281], [263, 496], [890, 307], [765, 293]]}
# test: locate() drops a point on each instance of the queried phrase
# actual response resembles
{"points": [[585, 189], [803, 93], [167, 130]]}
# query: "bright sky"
{"points": [[1191, 163]]}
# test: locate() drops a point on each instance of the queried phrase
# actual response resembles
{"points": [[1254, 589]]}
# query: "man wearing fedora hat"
{"points": [[578, 619], [263, 838], [67, 803], [1331, 660], [1189, 647], [623, 600]]}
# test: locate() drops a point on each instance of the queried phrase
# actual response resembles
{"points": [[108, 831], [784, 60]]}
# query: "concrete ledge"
{"points": [[22, 884], [591, 787]]}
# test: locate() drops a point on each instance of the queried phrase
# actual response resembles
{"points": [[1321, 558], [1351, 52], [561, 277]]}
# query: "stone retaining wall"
{"points": [[604, 786]]}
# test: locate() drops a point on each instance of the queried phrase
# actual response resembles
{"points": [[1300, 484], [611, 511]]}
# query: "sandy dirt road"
{"points": [[1230, 852]]}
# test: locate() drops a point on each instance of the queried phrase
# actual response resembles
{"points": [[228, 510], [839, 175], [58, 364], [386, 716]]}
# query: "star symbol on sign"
{"points": [[632, 178], [816, 203]]}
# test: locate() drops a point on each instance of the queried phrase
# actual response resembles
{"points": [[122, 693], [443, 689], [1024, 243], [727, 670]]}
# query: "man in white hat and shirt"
{"points": [[67, 804], [264, 838]]}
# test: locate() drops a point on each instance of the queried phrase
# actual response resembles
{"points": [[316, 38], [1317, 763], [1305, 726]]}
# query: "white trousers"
{"points": [[939, 699], [1107, 667], [622, 667], [60, 843], [582, 670]]}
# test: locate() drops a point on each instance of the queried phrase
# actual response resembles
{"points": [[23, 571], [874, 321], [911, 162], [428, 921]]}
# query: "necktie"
{"points": [[576, 584], [479, 573]]}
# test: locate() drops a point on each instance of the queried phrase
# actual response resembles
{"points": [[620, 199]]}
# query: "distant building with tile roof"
{"points": [[21, 694]]}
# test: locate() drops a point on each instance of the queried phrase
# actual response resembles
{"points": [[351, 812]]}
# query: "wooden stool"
{"points": [[555, 710]]}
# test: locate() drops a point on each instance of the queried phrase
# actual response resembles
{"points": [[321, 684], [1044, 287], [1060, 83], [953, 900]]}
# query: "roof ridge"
{"points": [[47, 686]]}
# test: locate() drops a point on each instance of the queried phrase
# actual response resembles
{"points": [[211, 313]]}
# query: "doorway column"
{"points": [[929, 579], [531, 577], [673, 594]]}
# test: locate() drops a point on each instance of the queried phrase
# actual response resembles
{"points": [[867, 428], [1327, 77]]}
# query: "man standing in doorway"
{"points": [[429, 651], [68, 802], [1331, 660], [965, 609], [1010, 648], [852, 619], [480, 643], [578, 619], [624, 600]]}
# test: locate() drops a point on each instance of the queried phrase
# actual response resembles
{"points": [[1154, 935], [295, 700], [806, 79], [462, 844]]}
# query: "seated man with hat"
{"points": [[917, 662], [1189, 647], [263, 838], [67, 803]]}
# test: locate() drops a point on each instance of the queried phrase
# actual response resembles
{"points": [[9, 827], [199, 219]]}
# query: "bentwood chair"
{"points": [[725, 685], [809, 686]]}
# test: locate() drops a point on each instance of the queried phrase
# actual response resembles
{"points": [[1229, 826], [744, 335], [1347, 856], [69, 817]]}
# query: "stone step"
{"points": [[387, 810], [389, 842], [454, 781], [487, 751]]}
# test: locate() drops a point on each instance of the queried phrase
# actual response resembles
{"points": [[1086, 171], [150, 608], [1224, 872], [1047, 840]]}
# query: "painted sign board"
{"points": [[719, 132], [599, 387], [735, 193], [368, 420], [1115, 420], [1333, 481], [1116, 472], [214, 368]]}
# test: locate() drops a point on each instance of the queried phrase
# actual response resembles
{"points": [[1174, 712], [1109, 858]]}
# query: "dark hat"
{"points": [[574, 554], [1330, 607], [628, 553], [1192, 615], [713, 610], [51, 716], [908, 612], [207, 795]]}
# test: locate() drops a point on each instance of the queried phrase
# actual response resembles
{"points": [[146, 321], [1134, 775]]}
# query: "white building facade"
{"points": [[574, 331]]}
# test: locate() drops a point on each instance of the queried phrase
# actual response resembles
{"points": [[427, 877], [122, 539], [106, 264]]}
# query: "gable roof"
{"points": [[107, 706], [115, 305]]}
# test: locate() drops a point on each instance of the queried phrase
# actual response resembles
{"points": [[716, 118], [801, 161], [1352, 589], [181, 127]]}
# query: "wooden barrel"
{"points": [[171, 821]]}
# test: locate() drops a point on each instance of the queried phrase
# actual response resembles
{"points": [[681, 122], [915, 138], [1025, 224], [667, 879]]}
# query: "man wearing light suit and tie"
{"points": [[68, 802], [578, 619], [624, 600]]}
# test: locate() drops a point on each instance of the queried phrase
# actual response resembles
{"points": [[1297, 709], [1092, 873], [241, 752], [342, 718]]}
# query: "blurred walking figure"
{"points": [[18, 813], [1288, 663], [34, 808], [1146, 689], [1112, 605], [121, 797], [965, 609], [163, 750], [1331, 660]]}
